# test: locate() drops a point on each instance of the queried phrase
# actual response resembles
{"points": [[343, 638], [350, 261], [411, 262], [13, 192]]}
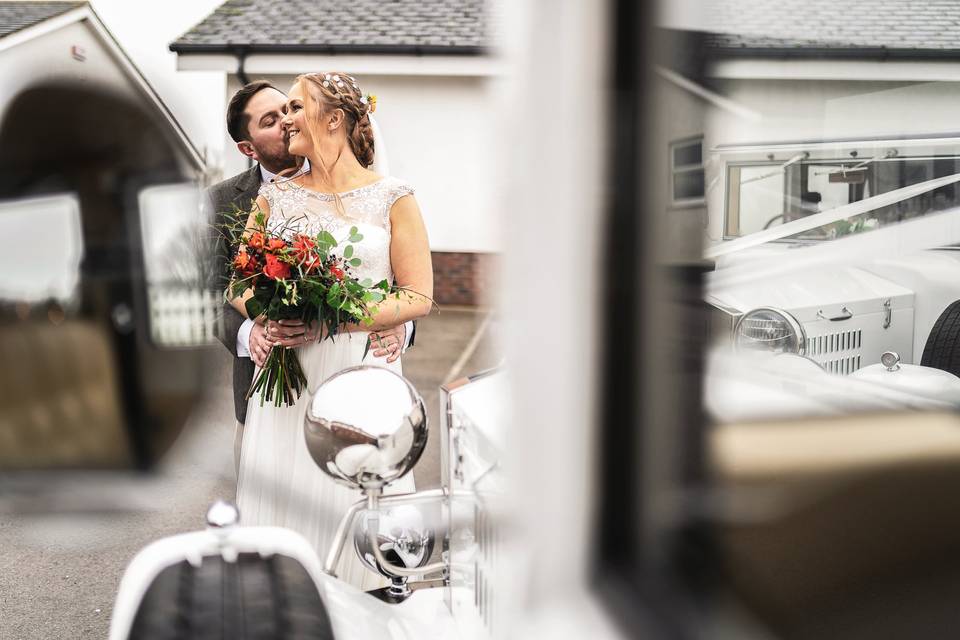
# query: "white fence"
{"points": [[182, 317]]}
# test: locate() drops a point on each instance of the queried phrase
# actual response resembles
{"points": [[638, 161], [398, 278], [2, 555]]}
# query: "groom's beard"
{"points": [[278, 163]]}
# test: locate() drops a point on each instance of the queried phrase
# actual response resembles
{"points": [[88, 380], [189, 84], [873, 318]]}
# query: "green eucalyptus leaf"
{"points": [[254, 307], [324, 237], [333, 295], [348, 252], [355, 262]]}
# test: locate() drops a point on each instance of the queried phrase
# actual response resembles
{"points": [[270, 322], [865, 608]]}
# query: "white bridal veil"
{"points": [[381, 163]]}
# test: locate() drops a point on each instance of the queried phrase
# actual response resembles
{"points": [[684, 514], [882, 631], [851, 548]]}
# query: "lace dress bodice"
{"points": [[278, 482], [295, 209]]}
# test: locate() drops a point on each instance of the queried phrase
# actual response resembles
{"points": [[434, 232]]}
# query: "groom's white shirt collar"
{"points": [[267, 176]]}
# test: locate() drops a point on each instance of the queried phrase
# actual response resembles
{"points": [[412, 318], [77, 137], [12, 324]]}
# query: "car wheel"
{"points": [[942, 350], [253, 598]]}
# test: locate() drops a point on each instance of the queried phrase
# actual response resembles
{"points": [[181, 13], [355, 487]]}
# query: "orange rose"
{"points": [[276, 244], [337, 272], [256, 241], [244, 263], [274, 268]]}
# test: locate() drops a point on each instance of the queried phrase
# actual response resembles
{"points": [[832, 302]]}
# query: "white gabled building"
{"points": [[47, 44]]}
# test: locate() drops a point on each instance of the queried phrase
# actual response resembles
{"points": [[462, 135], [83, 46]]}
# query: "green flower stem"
{"points": [[281, 380]]}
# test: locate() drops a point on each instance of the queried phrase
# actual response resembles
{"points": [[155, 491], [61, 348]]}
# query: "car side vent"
{"points": [[845, 344]]}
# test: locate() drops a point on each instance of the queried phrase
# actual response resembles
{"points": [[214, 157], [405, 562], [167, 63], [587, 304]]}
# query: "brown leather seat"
{"points": [[60, 405], [845, 527]]}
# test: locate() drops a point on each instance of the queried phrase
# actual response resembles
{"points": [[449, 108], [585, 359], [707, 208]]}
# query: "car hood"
{"points": [[805, 294]]}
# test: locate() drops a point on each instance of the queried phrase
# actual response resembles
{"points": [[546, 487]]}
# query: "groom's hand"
{"points": [[388, 342], [290, 333], [259, 344]]}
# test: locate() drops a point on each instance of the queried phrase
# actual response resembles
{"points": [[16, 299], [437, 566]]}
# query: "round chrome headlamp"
{"points": [[767, 329]]}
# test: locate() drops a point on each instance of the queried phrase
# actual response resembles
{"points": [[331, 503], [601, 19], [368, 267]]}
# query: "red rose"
{"points": [[337, 272], [275, 269], [244, 263], [256, 241], [302, 247], [276, 244]]}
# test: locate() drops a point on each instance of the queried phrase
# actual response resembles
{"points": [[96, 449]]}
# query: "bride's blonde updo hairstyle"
{"points": [[338, 90]]}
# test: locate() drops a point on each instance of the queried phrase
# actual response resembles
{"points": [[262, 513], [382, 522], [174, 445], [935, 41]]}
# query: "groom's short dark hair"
{"points": [[238, 122]]}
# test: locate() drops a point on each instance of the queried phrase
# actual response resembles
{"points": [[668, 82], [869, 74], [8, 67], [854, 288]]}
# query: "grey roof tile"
{"points": [[371, 26], [15, 16], [923, 28]]}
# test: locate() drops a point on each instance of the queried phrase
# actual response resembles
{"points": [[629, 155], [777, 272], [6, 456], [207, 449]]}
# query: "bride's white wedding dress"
{"points": [[278, 483]]}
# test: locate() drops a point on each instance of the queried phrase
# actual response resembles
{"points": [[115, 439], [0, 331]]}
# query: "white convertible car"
{"points": [[877, 307]]}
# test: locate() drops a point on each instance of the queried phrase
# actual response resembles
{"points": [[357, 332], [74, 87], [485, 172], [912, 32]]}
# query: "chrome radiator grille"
{"points": [[483, 588], [836, 352]]}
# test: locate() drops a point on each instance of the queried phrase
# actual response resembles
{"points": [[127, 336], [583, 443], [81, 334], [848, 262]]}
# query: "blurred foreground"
{"points": [[59, 571]]}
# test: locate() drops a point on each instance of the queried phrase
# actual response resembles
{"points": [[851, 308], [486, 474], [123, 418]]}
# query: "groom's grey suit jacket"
{"points": [[238, 191]]}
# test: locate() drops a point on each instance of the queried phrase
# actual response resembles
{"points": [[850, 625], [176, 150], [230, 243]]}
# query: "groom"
{"points": [[254, 118]]}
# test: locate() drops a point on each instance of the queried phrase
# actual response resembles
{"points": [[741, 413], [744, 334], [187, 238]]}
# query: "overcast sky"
{"points": [[145, 29]]}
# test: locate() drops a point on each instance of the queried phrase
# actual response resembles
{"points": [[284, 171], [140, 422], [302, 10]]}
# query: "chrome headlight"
{"points": [[767, 329]]}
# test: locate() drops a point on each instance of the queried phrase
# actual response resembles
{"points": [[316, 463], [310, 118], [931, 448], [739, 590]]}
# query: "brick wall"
{"points": [[463, 278]]}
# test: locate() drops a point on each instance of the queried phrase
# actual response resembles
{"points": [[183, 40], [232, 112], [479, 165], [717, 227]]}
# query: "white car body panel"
{"points": [[934, 276], [763, 386], [476, 427]]}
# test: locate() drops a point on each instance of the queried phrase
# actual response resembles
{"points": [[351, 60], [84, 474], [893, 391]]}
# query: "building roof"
{"points": [[828, 28], [341, 26], [15, 16]]}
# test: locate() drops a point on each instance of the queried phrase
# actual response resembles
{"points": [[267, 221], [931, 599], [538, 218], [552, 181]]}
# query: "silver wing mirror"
{"points": [[367, 427]]}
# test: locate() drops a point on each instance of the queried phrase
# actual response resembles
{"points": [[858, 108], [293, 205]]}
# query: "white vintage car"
{"points": [[881, 305], [439, 549]]}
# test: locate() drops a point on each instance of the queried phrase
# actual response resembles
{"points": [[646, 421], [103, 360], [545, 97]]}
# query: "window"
{"points": [[765, 195], [183, 311], [686, 173]]}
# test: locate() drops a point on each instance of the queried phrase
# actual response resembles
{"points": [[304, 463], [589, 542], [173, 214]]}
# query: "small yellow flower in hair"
{"points": [[371, 100]]}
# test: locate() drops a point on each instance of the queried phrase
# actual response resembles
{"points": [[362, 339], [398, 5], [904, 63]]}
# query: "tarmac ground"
{"points": [[60, 567]]}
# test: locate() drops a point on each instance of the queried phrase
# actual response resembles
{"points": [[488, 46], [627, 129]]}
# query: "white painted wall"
{"points": [[794, 110], [679, 115], [439, 135]]}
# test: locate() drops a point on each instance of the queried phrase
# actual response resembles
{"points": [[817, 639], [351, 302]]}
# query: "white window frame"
{"points": [[682, 203]]}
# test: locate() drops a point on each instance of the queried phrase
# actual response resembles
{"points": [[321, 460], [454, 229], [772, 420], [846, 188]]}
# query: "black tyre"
{"points": [[942, 350], [253, 598]]}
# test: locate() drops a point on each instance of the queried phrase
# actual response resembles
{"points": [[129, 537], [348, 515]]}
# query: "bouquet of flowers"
{"points": [[297, 277]]}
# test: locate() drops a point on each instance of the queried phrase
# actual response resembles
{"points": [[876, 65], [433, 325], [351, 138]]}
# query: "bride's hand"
{"points": [[293, 333]]}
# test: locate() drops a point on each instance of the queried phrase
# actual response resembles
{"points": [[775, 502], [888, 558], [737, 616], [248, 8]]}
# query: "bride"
{"points": [[328, 122]]}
